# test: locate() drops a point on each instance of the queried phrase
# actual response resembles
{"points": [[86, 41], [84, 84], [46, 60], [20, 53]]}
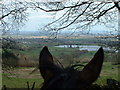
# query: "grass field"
{"points": [[18, 77], [21, 82]]}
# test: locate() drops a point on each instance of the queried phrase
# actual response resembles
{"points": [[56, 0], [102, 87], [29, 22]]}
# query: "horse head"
{"points": [[57, 77]]}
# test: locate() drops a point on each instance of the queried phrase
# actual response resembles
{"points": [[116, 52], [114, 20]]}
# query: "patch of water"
{"points": [[86, 47]]}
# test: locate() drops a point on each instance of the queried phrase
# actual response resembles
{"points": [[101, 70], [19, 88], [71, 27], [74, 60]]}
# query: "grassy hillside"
{"points": [[28, 54], [18, 77]]}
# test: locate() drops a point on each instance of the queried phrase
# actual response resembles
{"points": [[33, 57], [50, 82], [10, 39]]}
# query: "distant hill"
{"points": [[62, 34], [32, 33]]}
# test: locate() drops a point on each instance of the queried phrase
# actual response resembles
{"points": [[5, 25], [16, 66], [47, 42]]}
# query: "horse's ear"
{"points": [[46, 65], [92, 70]]}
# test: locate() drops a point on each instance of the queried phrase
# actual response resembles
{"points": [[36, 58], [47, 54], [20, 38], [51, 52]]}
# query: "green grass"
{"points": [[57, 51], [108, 70], [23, 67], [11, 82], [34, 52], [89, 54]]}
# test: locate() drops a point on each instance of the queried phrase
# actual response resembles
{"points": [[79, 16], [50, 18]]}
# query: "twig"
{"points": [[33, 86], [28, 85]]}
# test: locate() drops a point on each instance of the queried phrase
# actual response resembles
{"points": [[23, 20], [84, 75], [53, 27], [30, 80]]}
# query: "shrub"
{"points": [[8, 58]]}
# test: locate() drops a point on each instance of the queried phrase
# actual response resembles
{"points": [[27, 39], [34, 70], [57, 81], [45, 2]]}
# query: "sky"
{"points": [[37, 20]]}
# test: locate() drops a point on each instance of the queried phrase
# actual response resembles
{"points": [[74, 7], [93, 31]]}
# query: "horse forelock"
{"points": [[65, 79]]}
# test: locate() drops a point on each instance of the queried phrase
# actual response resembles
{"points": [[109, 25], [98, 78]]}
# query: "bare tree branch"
{"points": [[74, 19], [117, 4], [20, 10], [59, 9], [78, 13]]}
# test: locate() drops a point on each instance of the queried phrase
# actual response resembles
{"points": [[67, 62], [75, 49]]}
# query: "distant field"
{"points": [[18, 77], [24, 36], [64, 55]]}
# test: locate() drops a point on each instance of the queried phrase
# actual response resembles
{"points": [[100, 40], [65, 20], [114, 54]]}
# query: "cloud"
{"points": [[41, 16]]}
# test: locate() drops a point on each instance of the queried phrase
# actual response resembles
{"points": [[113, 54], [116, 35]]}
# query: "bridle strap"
{"points": [[53, 80]]}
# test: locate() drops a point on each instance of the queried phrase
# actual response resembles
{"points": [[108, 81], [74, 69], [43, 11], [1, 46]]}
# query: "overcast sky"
{"points": [[37, 20]]}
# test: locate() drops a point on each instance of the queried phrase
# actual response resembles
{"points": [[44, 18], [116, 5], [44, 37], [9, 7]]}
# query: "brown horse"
{"points": [[56, 77]]}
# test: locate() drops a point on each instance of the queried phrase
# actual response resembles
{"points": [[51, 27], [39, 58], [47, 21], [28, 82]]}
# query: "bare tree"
{"points": [[70, 15], [80, 15], [13, 15], [73, 14]]}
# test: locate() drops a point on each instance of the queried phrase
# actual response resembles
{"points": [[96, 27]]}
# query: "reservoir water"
{"points": [[86, 47]]}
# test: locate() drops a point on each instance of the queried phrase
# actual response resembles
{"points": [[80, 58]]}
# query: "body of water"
{"points": [[86, 47]]}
